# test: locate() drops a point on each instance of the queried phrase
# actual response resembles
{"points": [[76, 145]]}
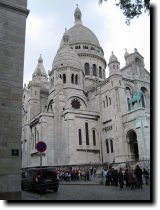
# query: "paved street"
{"points": [[90, 192]]}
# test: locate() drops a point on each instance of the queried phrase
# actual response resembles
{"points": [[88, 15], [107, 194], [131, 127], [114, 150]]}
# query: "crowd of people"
{"points": [[76, 174], [129, 177]]}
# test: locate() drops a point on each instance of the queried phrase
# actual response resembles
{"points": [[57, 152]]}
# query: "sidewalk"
{"points": [[96, 181]]}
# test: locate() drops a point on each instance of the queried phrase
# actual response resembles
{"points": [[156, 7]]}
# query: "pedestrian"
{"points": [[79, 174], [121, 178], [104, 175], [116, 178], [146, 176], [131, 178], [94, 173], [126, 177], [109, 177], [87, 174], [69, 176], [138, 173]]}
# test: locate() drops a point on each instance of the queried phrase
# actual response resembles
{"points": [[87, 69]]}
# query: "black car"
{"points": [[40, 179]]}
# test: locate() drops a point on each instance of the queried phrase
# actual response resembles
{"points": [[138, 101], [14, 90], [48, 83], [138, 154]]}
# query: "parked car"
{"points": [[40, 179]]}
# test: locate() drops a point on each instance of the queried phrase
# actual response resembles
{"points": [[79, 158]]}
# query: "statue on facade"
{"points": [[136, 97]]}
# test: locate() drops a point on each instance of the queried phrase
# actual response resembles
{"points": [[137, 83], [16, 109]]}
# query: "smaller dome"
{"points": [[113, 58], [40, 70], [66, 57]]}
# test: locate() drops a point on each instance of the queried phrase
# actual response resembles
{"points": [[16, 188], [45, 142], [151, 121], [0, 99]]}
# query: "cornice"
{"points": [[21, 10]]}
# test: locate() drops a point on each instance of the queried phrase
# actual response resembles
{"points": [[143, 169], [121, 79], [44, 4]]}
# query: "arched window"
{"points": [[80, 136], [107, 146], [106, 101], [111, 144], [109, 101], [94, 71], [72, 79], [100, 72], [35, 137], [33, 141], [86, 67], [76, 79], [104, 74], [87, 133], [138, 61], [64, 78], [129, 108], [52, 81], [128, 93], [144, 90], [104, 104], [94, 137]]}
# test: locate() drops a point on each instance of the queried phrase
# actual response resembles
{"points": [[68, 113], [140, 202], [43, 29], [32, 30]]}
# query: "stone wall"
{"points": [[12, 38]]}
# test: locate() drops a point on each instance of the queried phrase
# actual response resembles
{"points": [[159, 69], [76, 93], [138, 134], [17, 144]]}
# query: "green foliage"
{"points": [[132, 8]]}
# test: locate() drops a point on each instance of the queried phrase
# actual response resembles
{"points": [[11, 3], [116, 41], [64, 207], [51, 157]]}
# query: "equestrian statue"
{"points": [[136, 97]]}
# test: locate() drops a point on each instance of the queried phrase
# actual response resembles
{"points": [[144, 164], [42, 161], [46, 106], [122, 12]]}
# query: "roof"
{"points": [[113, 58], [79, 33], [66, 57], [40, 70]]}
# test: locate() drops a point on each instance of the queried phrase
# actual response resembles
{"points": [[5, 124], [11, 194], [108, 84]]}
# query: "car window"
{"points": [[47, 173]]}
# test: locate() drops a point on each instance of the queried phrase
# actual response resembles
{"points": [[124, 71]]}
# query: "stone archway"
{"points": [[133, 151]]}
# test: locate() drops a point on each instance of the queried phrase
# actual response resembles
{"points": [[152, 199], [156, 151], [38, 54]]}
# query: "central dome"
{"points": [[80, 33]]}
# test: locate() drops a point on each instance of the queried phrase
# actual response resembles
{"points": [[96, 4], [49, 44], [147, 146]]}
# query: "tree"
{"points": [[132, 8]]}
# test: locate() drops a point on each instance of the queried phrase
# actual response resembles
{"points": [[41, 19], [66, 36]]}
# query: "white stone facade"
{"points": [[82, 116]]}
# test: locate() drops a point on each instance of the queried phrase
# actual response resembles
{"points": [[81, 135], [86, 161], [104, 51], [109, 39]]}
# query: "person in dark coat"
{"points": [[131, 178], [138, 173], [109, 177], [146, 176], [126, 177], [121, 179], [87, 175], [116, 178]]}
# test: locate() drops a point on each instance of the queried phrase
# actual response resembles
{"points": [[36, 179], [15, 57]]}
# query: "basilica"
{"points": [[83, 117]]}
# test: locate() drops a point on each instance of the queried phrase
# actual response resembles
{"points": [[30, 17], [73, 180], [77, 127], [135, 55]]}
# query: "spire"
{"points": [[40, 70], [77, 15]]}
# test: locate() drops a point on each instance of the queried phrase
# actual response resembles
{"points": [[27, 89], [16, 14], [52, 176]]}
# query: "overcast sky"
{"points": [[48, 19]]}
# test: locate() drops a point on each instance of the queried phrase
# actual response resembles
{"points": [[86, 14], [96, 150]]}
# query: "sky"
{"points": [[48, 19]]}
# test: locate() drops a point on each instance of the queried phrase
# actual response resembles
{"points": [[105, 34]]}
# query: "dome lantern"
{"points": [[77, 16], [65, 37]]}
